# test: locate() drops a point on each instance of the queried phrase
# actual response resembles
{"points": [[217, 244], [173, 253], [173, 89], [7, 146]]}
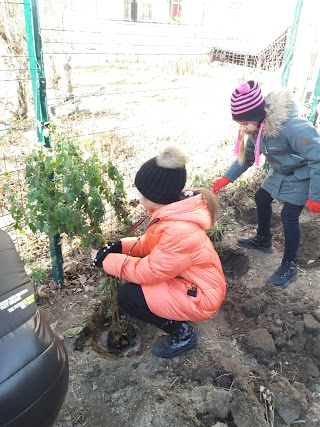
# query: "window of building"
{"points": [[176, 10]]}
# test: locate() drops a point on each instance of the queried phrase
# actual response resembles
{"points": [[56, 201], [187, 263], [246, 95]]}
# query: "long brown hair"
{"points": [[212, 202]]}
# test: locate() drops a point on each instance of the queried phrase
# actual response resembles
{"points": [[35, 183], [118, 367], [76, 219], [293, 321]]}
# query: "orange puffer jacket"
{"points": [[174, 256]]}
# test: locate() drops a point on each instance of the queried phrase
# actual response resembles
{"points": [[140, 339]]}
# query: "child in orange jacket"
{"points": [[173, 274]]}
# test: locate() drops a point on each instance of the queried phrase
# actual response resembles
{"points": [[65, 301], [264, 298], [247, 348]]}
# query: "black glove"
{"points": [[113, 247]]}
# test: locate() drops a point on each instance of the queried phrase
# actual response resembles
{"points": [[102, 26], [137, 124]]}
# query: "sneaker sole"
{"points": [[257, 248], [293, 279]]}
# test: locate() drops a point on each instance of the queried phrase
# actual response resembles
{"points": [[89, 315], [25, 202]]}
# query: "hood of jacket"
{"points": [[280, 106], [193, 209]]}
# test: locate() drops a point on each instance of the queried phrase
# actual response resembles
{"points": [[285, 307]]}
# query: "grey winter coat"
{"points": [[292, 147]]}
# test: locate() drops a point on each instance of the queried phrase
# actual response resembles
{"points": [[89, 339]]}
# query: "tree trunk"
{"points": [[22, 109], [13, 37]]}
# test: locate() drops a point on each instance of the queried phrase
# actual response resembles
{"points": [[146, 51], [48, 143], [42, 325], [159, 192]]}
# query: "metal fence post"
{"points": [[315, 101], [32, 21], [288, 55]]}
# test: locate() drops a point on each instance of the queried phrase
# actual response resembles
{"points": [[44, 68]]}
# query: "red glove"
{"points": [[219, 183], [313, 206]]}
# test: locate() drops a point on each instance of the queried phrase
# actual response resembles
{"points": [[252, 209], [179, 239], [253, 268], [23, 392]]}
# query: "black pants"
{"points": [[132, 301], [290, 220]]}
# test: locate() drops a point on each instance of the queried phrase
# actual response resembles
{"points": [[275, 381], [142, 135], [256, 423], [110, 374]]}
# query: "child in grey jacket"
{"points": [[291, 145]]}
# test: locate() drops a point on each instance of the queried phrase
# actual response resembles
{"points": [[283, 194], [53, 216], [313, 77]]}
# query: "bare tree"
{"points": [[13, 39], [12, 36], [56, 40]]}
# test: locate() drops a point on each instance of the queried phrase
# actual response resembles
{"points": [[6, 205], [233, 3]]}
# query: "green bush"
{"points": [[67, 191]]}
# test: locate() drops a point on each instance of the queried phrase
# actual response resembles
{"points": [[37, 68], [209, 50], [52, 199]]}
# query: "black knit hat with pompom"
{"points": [[162, 178]]}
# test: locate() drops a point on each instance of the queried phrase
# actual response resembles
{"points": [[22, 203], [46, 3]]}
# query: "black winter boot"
{"points": [[182, 339], [261, 243], [285, 274]]}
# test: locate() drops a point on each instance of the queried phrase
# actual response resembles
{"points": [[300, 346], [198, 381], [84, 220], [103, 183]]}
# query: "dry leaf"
{"points": [[41, 292], [67, 265], [82, 279], [67, 283]]}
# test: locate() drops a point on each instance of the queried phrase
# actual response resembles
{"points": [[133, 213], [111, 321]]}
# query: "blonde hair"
{"points": [[243, 141], [212, 202]]}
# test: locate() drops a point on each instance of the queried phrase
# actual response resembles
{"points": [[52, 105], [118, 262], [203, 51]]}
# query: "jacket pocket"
{"points": [[302, 173]]}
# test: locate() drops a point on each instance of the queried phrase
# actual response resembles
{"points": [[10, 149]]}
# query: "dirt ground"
{"points": [[257, 364]]}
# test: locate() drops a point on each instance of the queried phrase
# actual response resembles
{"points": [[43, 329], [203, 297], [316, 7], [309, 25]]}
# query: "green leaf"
{"points": [[72, 332]]}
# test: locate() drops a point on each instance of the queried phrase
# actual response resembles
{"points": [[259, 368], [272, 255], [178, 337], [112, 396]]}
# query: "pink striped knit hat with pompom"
{"points": [[248, 105]]}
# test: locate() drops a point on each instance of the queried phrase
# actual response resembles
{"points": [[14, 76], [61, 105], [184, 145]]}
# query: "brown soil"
{"points": [[257, 364]]}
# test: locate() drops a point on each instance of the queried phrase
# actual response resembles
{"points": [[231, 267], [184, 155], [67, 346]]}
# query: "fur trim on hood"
{"points": [[279, 107]]}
